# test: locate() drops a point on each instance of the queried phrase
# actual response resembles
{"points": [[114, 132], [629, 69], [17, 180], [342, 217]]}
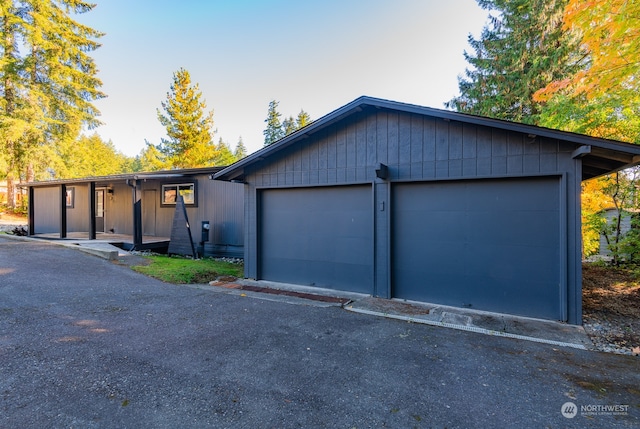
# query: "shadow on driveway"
{"points": [[85, 342]]}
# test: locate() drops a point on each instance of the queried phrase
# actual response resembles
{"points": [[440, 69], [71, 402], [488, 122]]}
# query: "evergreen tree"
{"points": [[303, 119], [189, 128], [289, 125], [522, 49], [47, 81], [274, 130], [90, 156], [223, 155], [241, 150], [151, 159]]}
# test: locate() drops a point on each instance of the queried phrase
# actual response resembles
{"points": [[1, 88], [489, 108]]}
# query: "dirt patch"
{"points": [[12, 219], [611, 308], [131, 260], [12, 224]]}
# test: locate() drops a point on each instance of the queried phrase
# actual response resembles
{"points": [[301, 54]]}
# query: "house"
{"points": [[137, 210], [19, 195], [421, 204], [610, 216]]}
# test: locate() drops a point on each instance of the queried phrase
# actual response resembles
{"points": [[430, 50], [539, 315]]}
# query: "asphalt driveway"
{"points": [[86, 343]]}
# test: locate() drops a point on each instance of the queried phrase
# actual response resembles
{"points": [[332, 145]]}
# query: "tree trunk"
{"points": [[11, 191]]}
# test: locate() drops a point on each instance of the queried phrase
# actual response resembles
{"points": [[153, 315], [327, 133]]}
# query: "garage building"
{"points": [[409, 202]]}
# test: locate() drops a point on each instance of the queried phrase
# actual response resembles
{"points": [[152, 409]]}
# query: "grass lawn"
{"points": [[179, 270]]}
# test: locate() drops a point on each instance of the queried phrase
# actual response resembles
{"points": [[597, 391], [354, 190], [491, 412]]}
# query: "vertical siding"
{"points": [[78, 215], [415, 147], [219, 203], [469, 150], [118, 206], [46, 211], [404, 147]]}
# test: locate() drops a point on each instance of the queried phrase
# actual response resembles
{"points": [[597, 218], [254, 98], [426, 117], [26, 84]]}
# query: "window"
{"points": [[70, 197], [170, 193]]}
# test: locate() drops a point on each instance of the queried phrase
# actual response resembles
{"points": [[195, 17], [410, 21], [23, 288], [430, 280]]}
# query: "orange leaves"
{"points": [[550, 90], [609, 31]]}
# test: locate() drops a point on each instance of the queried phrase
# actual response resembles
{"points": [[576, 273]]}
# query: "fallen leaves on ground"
{"points": [[611, 308]]}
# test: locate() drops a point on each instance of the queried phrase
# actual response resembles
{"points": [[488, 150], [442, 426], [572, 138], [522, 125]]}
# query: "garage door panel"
{"points": [[531, 228], [318, 236], [500, 251]]}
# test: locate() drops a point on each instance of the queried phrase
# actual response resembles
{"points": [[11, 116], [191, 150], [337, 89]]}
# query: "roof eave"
{"points": [[611, 149], [149, 175]]}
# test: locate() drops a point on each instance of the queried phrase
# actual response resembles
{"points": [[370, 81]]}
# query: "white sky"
{"points": [[315, 56]]}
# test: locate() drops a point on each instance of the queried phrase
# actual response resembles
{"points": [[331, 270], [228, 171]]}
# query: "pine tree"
{"points": [[90, 156], [223, 155], [289, 125], [151, 159], [303, 119], [189, 129], [48, 81], [521, 50], [241, 150], [274, 131]]}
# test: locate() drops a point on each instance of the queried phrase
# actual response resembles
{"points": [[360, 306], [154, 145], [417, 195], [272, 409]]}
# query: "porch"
{"points": [[122, 241]]}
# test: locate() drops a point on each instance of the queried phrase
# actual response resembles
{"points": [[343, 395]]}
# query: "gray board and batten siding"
{"points": [[402, 201], [219, 203]]}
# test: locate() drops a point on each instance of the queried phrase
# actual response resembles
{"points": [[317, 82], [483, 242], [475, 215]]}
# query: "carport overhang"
{"points": [[133, 180], [599, 161], [599, 157]]}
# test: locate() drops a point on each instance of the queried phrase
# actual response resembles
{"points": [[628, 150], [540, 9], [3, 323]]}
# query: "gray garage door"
{"points": [[317, 236], [490, 245]]}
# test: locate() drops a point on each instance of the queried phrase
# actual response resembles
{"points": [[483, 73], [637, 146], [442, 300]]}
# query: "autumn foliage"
{"points": [[609, 33]]}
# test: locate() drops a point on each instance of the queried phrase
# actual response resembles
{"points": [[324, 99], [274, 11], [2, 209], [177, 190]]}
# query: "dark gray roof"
{"points": [[599, 156], [150, 175]]}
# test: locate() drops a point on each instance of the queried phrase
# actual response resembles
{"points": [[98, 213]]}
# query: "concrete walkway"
{"points": [[481, 322]]}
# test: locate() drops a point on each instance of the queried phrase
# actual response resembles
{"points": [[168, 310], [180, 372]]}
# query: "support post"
{"points": [[63, 211], [31, 226], [92, 210], [137, 215]]}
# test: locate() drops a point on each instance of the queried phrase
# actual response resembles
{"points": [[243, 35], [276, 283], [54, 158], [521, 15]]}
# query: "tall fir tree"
{"points": [[289, 125], [90, 156], [522, 49], [189, 127], [48, 81], [151, 159], [240, 151], [274, 130], [303, 119], [223, 155]]}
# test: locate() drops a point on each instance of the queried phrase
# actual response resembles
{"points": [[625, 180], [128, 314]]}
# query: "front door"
{"points": [[100, 210], [149, 212]]}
